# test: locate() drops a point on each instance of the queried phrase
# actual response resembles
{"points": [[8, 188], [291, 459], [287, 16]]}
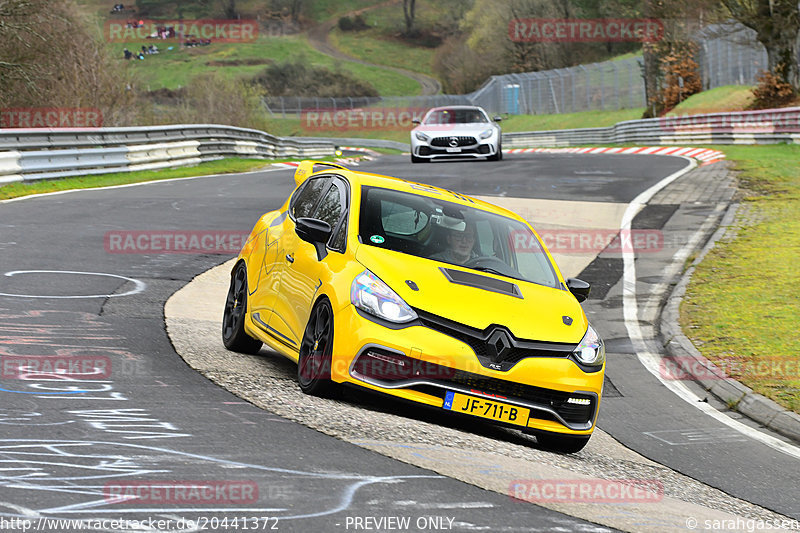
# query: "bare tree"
{"points": [[777, 27], [409, 7], [41, 65]]}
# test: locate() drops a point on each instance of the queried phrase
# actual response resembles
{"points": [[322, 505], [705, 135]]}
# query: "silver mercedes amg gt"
{"points": [[456, 131]]}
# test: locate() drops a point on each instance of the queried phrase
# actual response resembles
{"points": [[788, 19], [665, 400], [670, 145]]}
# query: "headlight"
{"points": [[591, 350], [373, 296], [486, 134], [421, 136]]}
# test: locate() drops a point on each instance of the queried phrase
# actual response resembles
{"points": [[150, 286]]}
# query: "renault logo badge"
{"points": [[499, 343]]}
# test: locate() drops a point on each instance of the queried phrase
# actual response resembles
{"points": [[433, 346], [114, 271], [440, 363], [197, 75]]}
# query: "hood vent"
{"points": [[486, 283]]}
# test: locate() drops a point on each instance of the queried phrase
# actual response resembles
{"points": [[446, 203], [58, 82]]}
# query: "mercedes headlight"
{"points": [[591, 350], [422, 137], [486, 134], [373, 296]]}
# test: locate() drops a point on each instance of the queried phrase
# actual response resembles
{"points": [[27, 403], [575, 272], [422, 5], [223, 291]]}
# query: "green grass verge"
{"points": [[741, 307], [223, 166], [585, 119], [320, 10], [175, 68], [726, 98], [370, 45]]}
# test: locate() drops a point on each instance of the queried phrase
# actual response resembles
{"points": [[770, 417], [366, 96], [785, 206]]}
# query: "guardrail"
{"points": [[770, 126], [35, 154], [355, 141]]}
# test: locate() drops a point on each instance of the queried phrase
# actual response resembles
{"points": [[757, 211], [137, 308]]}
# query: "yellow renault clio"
{"points": [[421, 293]]}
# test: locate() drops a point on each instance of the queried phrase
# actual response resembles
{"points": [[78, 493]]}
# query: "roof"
{"points": [[423, 189]]}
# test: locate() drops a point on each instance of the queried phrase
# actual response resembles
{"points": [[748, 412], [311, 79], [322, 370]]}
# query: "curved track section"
{"points": [[135, 413]]}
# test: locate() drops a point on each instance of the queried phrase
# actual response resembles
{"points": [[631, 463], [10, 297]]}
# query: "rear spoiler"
{"points": [[306, 168]]}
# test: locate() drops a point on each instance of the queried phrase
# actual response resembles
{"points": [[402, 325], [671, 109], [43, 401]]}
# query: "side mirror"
{"points": [[579, 288], [497, 118], [416, 121], [316, 232]]}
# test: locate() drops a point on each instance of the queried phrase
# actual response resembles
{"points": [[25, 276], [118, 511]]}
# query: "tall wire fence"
{"points": [[728, 55]]}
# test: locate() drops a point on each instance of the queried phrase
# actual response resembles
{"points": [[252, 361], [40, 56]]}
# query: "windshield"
{"points": [[452, 233], [456, 116]]}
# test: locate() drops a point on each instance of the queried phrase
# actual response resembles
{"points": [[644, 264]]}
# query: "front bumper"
{"points": [[433, 363], [482, 150], [467, 146]]}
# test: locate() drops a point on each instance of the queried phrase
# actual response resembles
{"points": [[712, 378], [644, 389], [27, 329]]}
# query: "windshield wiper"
{"points": [[495, 271]]}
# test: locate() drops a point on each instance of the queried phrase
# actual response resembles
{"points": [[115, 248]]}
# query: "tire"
{"points": [[233, 335], [316, 349], [498, 155], [415, 159], [561, 443]]}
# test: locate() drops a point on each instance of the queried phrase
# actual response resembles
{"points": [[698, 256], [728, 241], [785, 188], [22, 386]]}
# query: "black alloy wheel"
{"points": [[316, 349], [233, 335]]}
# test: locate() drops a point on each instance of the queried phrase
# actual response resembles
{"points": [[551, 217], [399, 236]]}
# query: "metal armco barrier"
{"points": [[769, 126], [35, 154]]}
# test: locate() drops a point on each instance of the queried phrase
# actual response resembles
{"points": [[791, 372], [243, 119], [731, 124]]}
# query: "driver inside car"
{"points": [[460, 246]]}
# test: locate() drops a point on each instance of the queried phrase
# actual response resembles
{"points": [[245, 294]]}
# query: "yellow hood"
{"points": [[538, 315]]}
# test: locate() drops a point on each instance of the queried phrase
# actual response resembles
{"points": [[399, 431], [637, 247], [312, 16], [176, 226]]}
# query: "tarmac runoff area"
{"points": [[496, 459]]}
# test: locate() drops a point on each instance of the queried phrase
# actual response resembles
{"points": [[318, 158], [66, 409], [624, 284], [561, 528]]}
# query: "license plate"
{"points": [[502, 412], [453, 150]]}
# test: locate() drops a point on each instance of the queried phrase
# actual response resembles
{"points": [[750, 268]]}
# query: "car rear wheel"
{"points": [[314, 362], [561, 443], [233, 335]]}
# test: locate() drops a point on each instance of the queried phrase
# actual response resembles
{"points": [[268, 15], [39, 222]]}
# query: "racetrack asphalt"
{"points": [[154, 413]]}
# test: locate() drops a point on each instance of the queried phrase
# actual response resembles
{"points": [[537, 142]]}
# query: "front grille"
{"points": [[390, 369], [460, 141], [527, 394], [479, 341]]}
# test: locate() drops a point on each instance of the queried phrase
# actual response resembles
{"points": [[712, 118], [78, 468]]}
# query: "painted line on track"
{"points": [[650, 358], [139, 285]]}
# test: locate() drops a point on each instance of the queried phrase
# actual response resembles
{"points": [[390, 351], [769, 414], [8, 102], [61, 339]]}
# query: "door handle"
{"points": [[290, 258]]}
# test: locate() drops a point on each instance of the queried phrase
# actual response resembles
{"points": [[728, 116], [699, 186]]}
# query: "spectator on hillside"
{"points": [[128, 54]]}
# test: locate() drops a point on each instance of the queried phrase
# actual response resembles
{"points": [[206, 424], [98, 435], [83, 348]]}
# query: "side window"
{"points": [[402, 219], [330, 208], [307, 197], [339, 241]]}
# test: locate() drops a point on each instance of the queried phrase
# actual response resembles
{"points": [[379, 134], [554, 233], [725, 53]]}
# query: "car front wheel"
{"points": [[316, 349], [498, 155], [234, 336]]}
